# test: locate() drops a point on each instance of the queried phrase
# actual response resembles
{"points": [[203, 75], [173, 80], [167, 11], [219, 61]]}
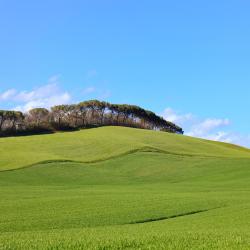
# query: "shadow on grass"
{"points": [[43, 131], [172, 216]]}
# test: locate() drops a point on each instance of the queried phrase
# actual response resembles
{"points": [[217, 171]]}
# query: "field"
{"points": [[123, 188]]}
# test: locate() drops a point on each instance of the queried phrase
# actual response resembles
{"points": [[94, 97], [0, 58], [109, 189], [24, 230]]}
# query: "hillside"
{"points": [[103, 143], [123, 188]]}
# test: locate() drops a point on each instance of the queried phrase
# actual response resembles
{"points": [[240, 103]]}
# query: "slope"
{"points": [[104, 143], [158, 191]]}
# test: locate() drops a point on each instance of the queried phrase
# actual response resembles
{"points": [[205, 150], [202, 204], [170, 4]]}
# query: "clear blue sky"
{"points": [[192, 56]]}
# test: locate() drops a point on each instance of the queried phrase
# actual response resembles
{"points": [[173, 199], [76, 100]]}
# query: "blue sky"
{"points": [[186, 60]]}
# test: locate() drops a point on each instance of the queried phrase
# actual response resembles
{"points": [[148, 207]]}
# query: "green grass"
{"points": [[104, 143], [122, 188]]}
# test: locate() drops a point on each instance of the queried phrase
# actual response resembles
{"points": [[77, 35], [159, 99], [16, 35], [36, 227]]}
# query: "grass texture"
{"points": [[123, 188]]}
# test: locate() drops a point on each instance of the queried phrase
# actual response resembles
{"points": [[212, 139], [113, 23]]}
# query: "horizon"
{"points": [[186, 61]]}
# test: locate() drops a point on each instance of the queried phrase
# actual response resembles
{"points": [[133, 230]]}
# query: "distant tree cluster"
{"points": [[85, 114]]}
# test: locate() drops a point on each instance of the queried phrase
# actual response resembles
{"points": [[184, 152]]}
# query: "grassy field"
{"points": [[123, 188]]}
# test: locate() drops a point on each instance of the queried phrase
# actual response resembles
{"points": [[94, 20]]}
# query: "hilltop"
{"points": [[87, 114]]}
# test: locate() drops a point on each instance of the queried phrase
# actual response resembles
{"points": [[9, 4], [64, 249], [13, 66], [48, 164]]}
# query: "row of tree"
{"points": [[85, 114]]}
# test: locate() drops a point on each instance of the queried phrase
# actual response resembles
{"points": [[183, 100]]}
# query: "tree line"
{"points": [[92, 113]]}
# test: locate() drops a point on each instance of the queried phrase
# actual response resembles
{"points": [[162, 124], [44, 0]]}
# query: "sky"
{"points": [[188, 61]]}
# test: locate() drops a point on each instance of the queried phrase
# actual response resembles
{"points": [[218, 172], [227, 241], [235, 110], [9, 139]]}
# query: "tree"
{"points": [[13, 117], [2, 118], [101, 107], [82, 111], [72, 112], [39, 115], [92, 112], [58, 113]]}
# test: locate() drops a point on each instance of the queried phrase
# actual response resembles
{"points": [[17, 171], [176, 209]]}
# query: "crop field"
{"points": [[123, 188]]}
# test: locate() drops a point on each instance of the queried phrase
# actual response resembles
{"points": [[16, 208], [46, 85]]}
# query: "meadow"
{"points": [[123, 188]]}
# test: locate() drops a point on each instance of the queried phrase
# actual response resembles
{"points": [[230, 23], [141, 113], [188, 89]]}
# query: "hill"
{"points": [[123, 188], [103, 143]]}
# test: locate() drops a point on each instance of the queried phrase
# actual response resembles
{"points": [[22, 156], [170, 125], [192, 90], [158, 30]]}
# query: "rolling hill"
{"points": [[123, 188]]}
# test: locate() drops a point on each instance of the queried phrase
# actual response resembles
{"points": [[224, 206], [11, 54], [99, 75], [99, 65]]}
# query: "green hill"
{"points": [[103, 143], [123, 188]]}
